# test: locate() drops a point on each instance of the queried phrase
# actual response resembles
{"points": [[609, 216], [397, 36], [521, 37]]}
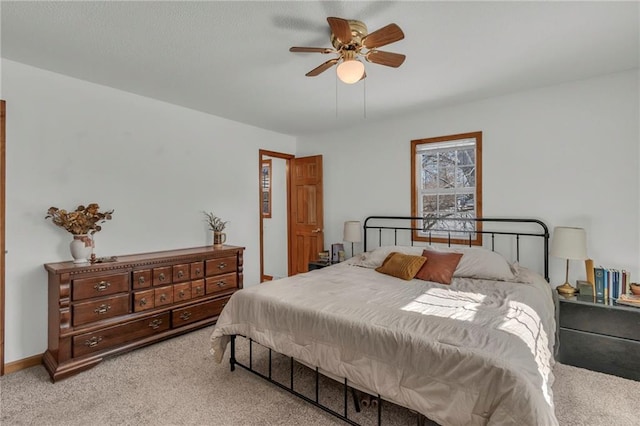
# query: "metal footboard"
{"points": [[344, 415]]}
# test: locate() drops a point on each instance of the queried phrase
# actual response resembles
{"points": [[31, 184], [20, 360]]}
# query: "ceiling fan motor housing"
{"points": [[358, 32]]}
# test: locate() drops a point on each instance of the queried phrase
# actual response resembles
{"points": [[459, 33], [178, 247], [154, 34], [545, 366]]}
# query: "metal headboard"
{"points": [[391, 225]]}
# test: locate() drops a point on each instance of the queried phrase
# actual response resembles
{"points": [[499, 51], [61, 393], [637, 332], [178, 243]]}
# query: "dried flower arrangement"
{"points": [[215, 223], [83, 220]]}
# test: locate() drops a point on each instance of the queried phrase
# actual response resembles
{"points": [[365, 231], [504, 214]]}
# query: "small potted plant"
{"points": [[217, 225], [82, 223]]}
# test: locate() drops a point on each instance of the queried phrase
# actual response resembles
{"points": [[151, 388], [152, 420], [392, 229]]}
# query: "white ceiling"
{"points": [[231, 58]]}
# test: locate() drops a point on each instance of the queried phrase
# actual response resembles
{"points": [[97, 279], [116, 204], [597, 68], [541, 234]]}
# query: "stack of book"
{"points": [[610, 283]]}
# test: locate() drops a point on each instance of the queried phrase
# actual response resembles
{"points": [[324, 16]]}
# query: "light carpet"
{"points": [[176, 382]]}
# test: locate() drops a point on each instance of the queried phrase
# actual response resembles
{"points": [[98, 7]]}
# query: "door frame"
{"points": [[262, 153], [2, 227]]}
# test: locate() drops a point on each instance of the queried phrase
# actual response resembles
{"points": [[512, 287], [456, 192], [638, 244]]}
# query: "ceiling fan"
{"points": [[351, 40]]}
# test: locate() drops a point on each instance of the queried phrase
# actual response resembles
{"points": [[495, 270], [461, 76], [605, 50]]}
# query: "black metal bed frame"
{"points": [[421, 419], [544, 233]]}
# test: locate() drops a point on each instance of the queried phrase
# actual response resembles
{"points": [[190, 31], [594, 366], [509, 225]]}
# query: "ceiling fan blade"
{"points": [[385, 35], [341, 29], [325, 66], [311, 49], [385, 58]]}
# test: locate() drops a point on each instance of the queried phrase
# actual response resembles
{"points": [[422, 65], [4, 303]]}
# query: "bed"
{"points": [[476, 351]]}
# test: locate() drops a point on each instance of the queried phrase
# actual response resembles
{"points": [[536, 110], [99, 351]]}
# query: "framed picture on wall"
{"points": [[265, 185]]}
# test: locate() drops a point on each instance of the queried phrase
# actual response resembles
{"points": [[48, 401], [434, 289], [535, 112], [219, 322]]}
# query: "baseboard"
{"points": [[21, 364]]}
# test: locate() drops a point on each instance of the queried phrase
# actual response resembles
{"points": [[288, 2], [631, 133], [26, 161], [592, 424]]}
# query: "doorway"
{"points": [[291, 213], [274, 214]]}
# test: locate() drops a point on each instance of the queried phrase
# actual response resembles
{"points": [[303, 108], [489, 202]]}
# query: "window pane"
{"points": [[447, 177], [429, 172], [446, 205], [465, 202], [465, 177], [466, 157], [429, 204]]}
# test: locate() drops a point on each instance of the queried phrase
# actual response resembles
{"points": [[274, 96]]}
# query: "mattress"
{"points": [[474, 352]]}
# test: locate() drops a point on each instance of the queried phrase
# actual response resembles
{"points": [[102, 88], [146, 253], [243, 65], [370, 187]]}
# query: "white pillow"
{"points": [[481, 263], [373, 259]]}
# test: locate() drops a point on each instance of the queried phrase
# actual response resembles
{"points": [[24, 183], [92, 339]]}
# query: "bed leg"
{"points": [[356, 403], [232, 358]]}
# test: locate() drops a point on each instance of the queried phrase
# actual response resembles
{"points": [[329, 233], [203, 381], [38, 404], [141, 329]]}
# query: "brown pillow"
{"points": [[401, 265], [440, 266]]}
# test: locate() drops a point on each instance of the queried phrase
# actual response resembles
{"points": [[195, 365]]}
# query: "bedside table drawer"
{"points": [[601, 319], [596, 352]]}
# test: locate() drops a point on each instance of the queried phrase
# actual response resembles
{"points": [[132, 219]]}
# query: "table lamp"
{"points": [[568, 243], [352, 233]]}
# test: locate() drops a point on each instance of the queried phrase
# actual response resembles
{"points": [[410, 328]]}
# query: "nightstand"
{"points": [[600, 337], [319, 264]]}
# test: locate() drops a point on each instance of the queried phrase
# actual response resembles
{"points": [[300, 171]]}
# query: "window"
{"points": [[446, 182]]}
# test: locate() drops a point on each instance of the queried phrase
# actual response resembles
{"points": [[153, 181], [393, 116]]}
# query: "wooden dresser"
{"points": [[101, 309]]}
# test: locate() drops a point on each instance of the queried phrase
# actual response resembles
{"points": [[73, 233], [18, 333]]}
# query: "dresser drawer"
{"points": [[197, 312], [162, 276], [86, 288], [221, 283], [143, 300], [112, 336], [97, 310], [163, 296], [181, 273], [142, 279], [196, 270], [181, 292], [221, 266], [197, 288], [611, 321]]}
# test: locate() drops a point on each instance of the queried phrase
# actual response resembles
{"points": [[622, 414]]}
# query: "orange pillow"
{"points": [[440, 266], [401, 265]]}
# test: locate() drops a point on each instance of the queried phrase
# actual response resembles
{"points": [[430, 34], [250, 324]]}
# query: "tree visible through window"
{"points": [[447, 183]]}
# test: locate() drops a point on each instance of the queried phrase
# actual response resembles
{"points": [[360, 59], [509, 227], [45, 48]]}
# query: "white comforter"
{"points": [[473, 353]]}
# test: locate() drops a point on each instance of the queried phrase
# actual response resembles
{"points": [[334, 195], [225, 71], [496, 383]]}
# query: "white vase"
{"points": [[81, 247]]}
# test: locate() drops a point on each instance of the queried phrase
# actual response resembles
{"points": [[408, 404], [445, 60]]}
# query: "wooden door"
{"points": [[307, 223]]}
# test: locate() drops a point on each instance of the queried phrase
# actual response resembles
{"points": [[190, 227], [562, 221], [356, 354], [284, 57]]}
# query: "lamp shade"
{"points": [[352, 232], [569, 243], [350, 71]]}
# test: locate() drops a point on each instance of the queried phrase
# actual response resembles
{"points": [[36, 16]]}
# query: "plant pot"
{"points": [[81, 247], [219, 238]]}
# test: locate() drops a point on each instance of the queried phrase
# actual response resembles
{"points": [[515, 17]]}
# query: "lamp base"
{"points": [[566, 288]]}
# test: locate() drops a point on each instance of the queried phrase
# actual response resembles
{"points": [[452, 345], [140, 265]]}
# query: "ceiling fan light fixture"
{"points": [[350, 71]]}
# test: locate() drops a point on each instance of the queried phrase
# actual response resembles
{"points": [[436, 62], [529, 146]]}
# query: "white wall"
{"points": [[275, 227], [566, 154], [70, 142]]}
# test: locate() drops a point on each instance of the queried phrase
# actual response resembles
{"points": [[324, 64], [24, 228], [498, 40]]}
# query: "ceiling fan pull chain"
{"points": [[364, 99]]}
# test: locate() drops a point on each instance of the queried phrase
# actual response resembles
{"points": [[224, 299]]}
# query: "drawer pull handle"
{"points": [[180, 274], [222, 265], [93, 341], [155, 324], [198, 290], [163, 297], [181, 294], [221, 283], [198, 272], [102, 309], [102, 285], [185, 315], [143, 301], [161, 277], [140, 280]]}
